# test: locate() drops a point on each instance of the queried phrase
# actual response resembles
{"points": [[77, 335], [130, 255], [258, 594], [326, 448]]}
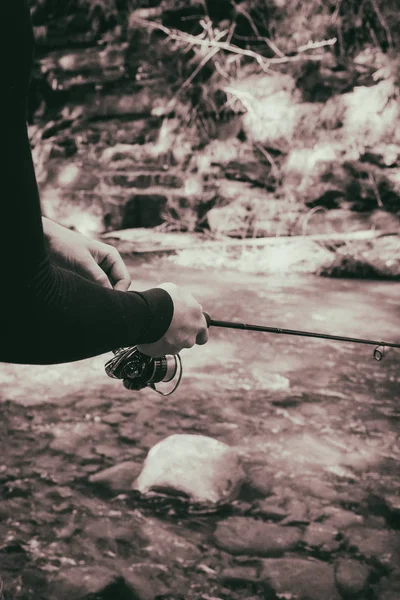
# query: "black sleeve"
{"points": [[50, 315]]}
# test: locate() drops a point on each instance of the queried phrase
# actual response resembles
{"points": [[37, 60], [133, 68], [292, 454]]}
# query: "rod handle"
{"points": [[207, 318]]}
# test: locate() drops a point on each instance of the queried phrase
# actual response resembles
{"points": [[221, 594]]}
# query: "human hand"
{"points": [[187, 328], [89, 258]]}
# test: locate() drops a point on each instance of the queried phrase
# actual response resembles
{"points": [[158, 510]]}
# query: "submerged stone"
{"points": [[340, 518], [117, 478], [380, 545], [195, 467], [83, 583], [351, 577], [322, 536], [389, 587], [299, 578], [243, 535]]}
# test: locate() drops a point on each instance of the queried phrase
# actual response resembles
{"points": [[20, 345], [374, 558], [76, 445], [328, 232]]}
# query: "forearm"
{"points": [[62, 317]]}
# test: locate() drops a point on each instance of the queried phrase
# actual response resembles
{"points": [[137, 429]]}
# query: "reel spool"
{"points": [[139, 371]]}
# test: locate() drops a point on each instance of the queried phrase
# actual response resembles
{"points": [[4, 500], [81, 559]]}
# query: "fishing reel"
{"points": [[137, 370]]}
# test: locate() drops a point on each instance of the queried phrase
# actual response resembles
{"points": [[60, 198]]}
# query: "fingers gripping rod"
{"points": [[379, 346]]}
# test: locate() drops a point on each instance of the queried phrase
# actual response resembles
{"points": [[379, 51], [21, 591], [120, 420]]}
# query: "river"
{"points": [[320, 418]]}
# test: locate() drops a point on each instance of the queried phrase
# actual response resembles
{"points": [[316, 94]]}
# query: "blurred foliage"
{"points": [[288, 23]]}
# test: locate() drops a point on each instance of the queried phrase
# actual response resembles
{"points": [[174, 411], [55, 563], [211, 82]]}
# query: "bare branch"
{"points": [[198, 40], [311, 45]]}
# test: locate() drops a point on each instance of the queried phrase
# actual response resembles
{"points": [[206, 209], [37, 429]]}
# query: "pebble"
{"points": [[117, 478], [69, 439], [114, 530], [340, 518], [107, 450], [90, 468], [113, 418], [128, 433], [270, 509], [297, 513], [84, 583], [300, 579], [196, 466], [147, 582], [351, 577], [321, 536], [168, 544], [382, 545], [389, 587], [239, 575], [260, 481], [243, 535]]}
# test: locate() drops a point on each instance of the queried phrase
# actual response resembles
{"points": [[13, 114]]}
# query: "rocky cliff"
{"points": [[249, 119]]}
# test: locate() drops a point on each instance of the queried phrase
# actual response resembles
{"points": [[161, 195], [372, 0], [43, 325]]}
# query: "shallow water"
{"points": [[343, 401], [318, 419]]}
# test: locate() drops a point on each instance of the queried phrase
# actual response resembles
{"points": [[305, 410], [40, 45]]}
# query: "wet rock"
{"points": [[318, 488], [195, 466], [60, 491], [129, 410], [118, 478], [389, 587], [340, 518], [380, 545], [114, 531], [260, 481], [378, 258], [270, 509], [128, 433], [149, 581], [89, 468], [170, 543], [113, 418], [239, 575], [85, 583], [300, 579], [297, 513], [242, 535], [107, 450], [351, 497], [64, 507], [321, 536], [69, 438], [351, 577]]}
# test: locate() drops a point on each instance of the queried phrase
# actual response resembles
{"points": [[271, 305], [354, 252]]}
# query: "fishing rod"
{"points": [[139, 371]]}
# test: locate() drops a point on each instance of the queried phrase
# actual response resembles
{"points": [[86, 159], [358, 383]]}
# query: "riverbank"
{"points": [[258, 134], [370, 254]]}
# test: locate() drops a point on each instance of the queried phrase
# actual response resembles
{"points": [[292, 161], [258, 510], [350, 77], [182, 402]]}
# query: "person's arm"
{"points": [[90, 258], [50, 314]]}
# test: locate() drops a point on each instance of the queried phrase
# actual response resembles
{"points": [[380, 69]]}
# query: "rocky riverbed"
{"points": [[314, 424]]}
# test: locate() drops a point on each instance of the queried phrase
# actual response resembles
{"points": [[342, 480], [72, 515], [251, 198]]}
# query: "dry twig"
{"points": [[200, 40]]}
